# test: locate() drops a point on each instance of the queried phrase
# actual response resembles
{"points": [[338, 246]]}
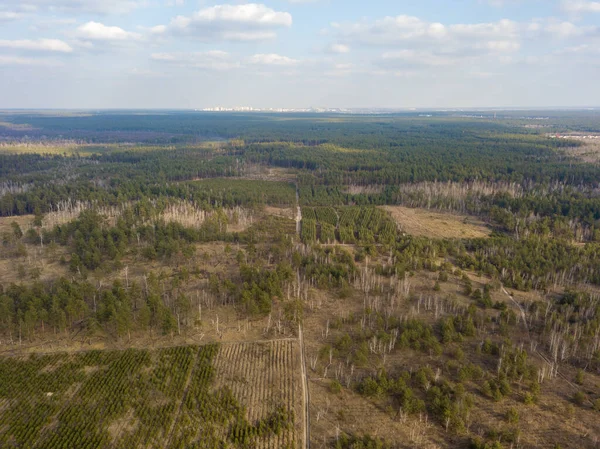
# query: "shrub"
{"points": [[335, 387], [579, 398], [512, 416]]}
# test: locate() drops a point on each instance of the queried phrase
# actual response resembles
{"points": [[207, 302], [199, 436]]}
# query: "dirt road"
{"points": [[298, 213], [305, 392]]}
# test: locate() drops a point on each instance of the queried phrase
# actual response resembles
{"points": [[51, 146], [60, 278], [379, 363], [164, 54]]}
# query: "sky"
{"points": [[187, 54]]}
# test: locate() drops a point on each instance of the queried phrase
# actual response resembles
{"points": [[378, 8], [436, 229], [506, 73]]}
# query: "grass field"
{"points": [[177, 397], [427, 223], [71, 148]]}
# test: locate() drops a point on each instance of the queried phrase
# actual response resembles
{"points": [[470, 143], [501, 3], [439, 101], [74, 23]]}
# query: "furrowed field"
{"points": [[231, 396]]}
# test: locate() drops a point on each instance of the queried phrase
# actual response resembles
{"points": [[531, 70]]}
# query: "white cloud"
{"points": [[338, 48], [584, 49], [79, 6], [412, 43], [273, 59], [209, 60], [501, 46], [561, 29], [399, 30], [503, 29], [145, 73], [500, 3], [96, 31], [19, 61], [340, 70], [568, 30], [52, 22], [8, 16], [158, 29], [390, 30], [246, 22], [52, 45], [412, 58], [248, 13], [579, 6]]}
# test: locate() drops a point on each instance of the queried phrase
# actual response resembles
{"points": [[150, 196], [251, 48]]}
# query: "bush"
{"points": [[579, 398], [512, 416], [478, 443], [365, 442], [335, 387], [528, 399]]}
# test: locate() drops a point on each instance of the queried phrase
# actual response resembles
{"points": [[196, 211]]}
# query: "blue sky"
{"points": [[299, 53]]}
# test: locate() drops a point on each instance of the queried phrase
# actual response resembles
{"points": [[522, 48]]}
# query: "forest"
{"points": [[256, 281]]}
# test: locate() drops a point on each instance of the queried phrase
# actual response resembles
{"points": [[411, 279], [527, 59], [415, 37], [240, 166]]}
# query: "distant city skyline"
{"points": [[299, 54]]}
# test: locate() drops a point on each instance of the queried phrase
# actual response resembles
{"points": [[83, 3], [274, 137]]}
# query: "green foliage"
{"points": [[397, 389], [450, 406], [261, 286], [65, 305], [347, 225], [579, 398], [512, 416], [17, 232], [364, 442], [335, 387], [478, 443]]}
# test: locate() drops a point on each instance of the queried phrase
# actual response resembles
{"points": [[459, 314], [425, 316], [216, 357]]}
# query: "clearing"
{"points": [[427, 223], [588, 152]]}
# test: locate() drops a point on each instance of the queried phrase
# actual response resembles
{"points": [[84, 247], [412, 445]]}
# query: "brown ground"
{"points": [[427, 223]]}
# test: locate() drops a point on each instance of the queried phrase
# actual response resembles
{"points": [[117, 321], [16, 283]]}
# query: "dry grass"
{"points": [[262, 173], [38, 264], [350, 413], [125, 424], [427, 223], [554, 420], [24, 221], [589, 152], [281, 212]]}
